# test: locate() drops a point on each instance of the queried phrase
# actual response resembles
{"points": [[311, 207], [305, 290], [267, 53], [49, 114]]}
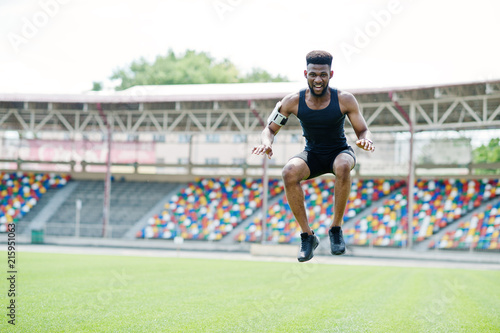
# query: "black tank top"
{"points": [[323, 129]]}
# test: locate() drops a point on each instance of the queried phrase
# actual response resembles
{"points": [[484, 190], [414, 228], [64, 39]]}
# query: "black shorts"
{"points": [[322, 163]]}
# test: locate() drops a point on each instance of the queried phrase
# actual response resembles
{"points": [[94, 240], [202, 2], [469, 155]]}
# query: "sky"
{"points": [[62, 46]]}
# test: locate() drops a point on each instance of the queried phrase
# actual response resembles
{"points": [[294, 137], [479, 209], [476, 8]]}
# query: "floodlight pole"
{"points": [[107, 182], [411, 167], [411, 180], [265, 178], [265, 189], [190, 154]]}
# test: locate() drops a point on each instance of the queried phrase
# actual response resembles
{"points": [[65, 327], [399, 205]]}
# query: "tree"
{"points": [[96, 86], [488, 154], [189, 68], [260, 75]]}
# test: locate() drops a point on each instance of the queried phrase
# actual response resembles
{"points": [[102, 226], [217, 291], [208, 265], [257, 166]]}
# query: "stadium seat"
{"points": [[481, 232], [282, 226], [208, 209], [19, 192], [437, 204]]}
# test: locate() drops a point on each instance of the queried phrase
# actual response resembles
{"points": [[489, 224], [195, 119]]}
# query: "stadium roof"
{"points": [[242, 108], [217, 92]]}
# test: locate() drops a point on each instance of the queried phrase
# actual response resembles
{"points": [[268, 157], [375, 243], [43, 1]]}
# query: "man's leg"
{"points": [[342, 167], [293, 173]]}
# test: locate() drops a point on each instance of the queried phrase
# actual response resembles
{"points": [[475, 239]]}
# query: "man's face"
{"points": [[318, 77]]}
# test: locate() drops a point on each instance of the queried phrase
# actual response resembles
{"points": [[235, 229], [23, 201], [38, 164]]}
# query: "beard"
{"points": [[322, 93]]}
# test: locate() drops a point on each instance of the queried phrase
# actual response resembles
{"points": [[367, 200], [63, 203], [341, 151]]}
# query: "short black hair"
{"points": [[318, 57]]}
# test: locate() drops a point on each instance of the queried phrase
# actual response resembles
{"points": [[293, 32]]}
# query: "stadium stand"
{"points": [[282, 226], [208, 209], [386, 223], [129, 202], [481, 232], [20, 192], [437, 204]]}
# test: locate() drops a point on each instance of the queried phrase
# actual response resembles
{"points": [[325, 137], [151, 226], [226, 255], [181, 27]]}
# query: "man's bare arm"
{"points": [[350, 107], [288, 105]]}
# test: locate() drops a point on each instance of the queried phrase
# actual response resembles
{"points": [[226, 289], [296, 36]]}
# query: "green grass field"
{"points": [[93, 293]]}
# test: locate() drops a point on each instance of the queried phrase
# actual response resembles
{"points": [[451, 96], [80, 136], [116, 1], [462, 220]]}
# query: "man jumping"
{"points": [[321, 111]]}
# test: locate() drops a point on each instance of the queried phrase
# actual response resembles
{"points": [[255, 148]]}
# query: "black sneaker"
{"points": [[307, 245], [337, 244]]}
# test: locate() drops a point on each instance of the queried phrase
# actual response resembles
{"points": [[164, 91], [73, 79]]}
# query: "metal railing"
{"points": [[197, 169]]}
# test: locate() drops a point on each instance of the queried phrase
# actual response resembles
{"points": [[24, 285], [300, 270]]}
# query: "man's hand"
{"points": [[263, 149], [365, 144]]}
